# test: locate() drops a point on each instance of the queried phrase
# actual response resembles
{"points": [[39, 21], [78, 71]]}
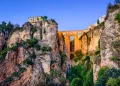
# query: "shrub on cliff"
{"points": [[38, 47], [46, 49], [63, 58], [78, 55], [117, 17], [104, 77], [3, 53], [32, 42], [101, 71]]}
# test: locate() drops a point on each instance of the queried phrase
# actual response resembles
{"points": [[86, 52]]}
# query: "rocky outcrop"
{"points": [[34, 51], [89, 40], [2, 39], [110, 41]]}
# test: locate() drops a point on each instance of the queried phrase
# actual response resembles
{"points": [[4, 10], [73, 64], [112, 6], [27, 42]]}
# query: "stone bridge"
{"points": [[67, 39]]}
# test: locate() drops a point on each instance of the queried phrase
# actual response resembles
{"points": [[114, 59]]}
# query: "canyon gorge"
{"points": [[38, 54]]}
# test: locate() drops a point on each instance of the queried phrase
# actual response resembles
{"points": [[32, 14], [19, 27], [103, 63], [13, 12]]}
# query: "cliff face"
{"points": [[32, 55], [110, 41], [89, 40]]}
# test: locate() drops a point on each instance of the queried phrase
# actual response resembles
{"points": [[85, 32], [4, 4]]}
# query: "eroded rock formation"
{"points": [[27, 65], [109, 42]]}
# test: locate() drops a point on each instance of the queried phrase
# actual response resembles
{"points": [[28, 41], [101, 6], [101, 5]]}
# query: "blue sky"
{"points": [[70, 14]]}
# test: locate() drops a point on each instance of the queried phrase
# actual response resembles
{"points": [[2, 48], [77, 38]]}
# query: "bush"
{"points": [[76, 82], [28, 62], [33, 56], [116, 44], [79, 54], [83, 73], [55, 73], [63, 80], [49, 49], [101, 71], [33, 29], [14, 47], [76, 59], [3, 53], [44, 49], [74, 72], [117, 17], [118, 80], [16, 74], [113, 58], [32, 42], [41, 34], [38, 47], [22, 69], [89, 79], [63, 58], [8, 80], [109, 73], [97, 52], [112, 82]]}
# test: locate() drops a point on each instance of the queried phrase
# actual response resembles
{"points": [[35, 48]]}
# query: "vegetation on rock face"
{"points": [[113, 58], [117, 17], [38, 47], [46, 49], [8, 28], [82, 73], [76, 82], [41, 34], [107, 76], [97, 52], [102, 70], [98, 22], [3, 53], [44, 17], [63, 58], [78, 55]]}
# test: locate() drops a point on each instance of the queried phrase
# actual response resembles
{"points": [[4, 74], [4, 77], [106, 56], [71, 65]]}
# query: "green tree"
{"points": [[98, 22], [102, 70], [89, 79], [3, 26], [117, 17], [112, 82], [45, 17], [9, 27], [74, 72], [76, 82]]}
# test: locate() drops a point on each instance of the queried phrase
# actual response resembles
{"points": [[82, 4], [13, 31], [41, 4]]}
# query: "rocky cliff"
{"points": [[89, 40], [109, 42], [32, 56]]}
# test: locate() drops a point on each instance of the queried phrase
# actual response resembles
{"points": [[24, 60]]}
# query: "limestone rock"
{"points": [[2, 40], [110, 36]]}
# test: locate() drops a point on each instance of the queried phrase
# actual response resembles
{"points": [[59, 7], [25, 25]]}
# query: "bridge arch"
{"points": [[67, 37]]}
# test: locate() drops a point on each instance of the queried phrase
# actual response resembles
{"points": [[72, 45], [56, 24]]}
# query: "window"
{"points": [[64, 34], [79, 34]]}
